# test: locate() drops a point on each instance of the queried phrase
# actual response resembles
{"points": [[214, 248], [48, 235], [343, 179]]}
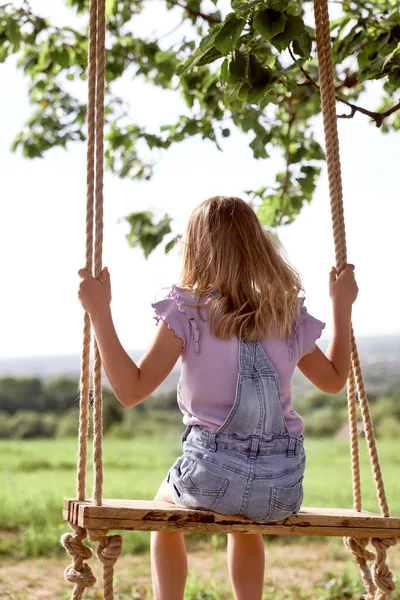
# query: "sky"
{"points": [[42, 222]]}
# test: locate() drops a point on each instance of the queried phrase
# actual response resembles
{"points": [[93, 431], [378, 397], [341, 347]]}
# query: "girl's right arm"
{"points": [[329, 371]]}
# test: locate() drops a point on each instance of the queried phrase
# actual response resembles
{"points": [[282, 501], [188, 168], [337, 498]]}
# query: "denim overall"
{"points": [[251, 466]]}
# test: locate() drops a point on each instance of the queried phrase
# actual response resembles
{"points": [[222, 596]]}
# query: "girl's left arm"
{"points": [[131, 383]]}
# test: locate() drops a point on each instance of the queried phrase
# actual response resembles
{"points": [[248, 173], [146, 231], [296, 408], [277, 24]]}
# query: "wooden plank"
{"points": [[147, 515], [148, 510], [112, 505], [269, 529]]}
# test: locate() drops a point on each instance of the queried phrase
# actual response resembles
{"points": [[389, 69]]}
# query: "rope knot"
{"points": [[359, 547], [382, 544], [78, 572], [74, 546], [109, 549], [83, 578], [381, 573]]}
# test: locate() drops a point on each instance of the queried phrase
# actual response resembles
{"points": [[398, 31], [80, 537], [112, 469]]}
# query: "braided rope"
{"points": [[98, 249], [354, 449], [369, 430], [379, 583], [109, 547], [78, 572], [382, 576], [84, 385], [108, 550]]}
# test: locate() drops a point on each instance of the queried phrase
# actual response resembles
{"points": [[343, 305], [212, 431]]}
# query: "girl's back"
{"points": [[209, 364]]}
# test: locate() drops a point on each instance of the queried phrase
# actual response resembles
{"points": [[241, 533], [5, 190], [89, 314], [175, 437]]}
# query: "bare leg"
{"points": [[246, 560], [168, 558]]}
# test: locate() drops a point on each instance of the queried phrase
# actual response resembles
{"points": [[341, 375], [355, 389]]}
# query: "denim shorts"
{"points": [[259, 477]]}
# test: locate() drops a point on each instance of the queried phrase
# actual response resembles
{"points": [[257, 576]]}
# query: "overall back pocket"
{"points": [[196, 486], [285, 501]]}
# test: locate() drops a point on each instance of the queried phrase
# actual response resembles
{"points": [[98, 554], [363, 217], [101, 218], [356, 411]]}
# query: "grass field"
{"points": [[36, 475]]}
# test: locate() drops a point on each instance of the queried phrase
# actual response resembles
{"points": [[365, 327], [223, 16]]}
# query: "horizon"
{"points": [[323, 341]]}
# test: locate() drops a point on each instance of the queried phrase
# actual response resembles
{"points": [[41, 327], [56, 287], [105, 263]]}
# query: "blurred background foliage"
{"points": [[248, 66]]}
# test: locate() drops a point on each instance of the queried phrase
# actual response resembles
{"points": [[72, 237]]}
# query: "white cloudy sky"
{"points": [[42, 223]]}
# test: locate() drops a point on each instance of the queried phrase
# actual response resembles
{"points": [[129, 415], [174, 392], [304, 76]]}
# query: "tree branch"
{"points": [[196, 13], [375, 116]]}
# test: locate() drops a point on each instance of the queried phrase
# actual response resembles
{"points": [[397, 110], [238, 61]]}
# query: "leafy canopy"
{"points": [[252, 69]]}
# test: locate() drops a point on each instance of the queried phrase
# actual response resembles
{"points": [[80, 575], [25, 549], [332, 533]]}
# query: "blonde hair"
{"points": [[237, 270]]}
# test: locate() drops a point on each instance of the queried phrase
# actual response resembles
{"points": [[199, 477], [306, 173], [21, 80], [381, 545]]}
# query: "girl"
{"points": [[240, 329]]}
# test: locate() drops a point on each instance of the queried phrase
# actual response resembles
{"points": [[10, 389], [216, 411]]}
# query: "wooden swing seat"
{"points": [[148, 515]]}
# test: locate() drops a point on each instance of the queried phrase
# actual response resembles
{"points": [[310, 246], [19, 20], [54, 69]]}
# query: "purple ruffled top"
{"points": [[207, 385]]}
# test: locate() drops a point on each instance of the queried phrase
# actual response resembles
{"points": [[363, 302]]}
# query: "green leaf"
{"points": [[395, 53], [229, 33], [264, 53], [239, 66], [269, 23], [3, 52], [243, 7], [212, 55], [145, 232], [209, 39], [224, 71], [278, 5], [294, 27], [206, 45], [63, 57], [13, 31], [394, 78], [242, 92], [268, 210], [111, 7], [171, 244], [258, 147], [258, 74], [302, 45], [257, 93]]}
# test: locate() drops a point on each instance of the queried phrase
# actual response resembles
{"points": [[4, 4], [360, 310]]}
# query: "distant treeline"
{"points": [[31, 407]]}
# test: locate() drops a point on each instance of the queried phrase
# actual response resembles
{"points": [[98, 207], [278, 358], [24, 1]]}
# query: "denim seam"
{"points": [[247, 490], [245, 472]]}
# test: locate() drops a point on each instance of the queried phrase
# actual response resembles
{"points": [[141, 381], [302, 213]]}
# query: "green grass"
{"points": [[36, 475]]}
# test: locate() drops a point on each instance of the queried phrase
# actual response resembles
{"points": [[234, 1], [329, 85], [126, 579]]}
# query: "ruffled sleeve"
{"points": [[180, 317], [306, 331]]}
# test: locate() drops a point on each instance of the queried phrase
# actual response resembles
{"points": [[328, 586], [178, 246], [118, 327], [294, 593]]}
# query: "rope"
{"points": [[79, 573], [354, 450], [369, 430], [98, 247], [84, 384], [379, 583], [108, 550], [94, 220], [109, 547]]}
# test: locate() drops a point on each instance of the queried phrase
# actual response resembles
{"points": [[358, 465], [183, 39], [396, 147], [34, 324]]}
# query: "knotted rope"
{"points": [[94, 224], [379, 583], [109, 548], [108, 551], [79, 573]]}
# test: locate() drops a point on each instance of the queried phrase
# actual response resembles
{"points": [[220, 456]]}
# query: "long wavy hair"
{"points": [[236, 269]]}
